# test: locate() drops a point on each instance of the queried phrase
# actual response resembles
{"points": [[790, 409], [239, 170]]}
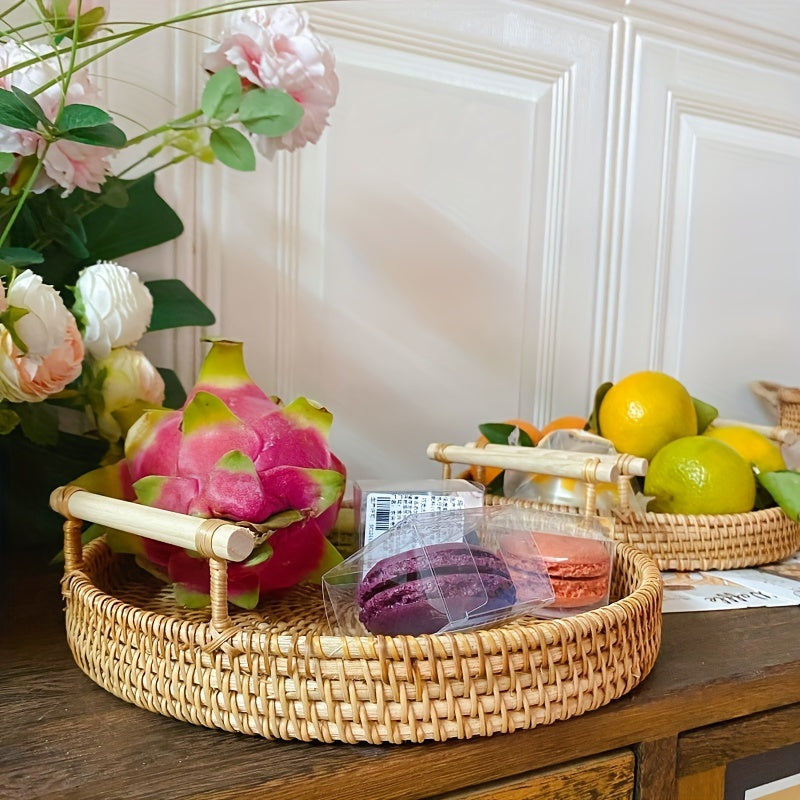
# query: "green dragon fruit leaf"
{"points": [[140, 432], [223, 365], [190, 599], [109, 480], [283, 519], [330, 558], [171, 492], [309, 414], [260, 554], [236, 461], [206, 410], [124, 542]]}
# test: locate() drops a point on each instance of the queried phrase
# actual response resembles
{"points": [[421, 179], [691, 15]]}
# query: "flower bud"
{"points": [[114, 306], [124, 377]]}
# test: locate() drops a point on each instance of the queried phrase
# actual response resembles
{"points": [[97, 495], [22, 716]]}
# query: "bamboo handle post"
{"points": [[211, 538], [588, 467]]}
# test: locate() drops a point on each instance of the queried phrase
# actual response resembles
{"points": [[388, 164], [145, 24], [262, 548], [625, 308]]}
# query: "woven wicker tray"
{"points": [[674, 541], [280, 673]]}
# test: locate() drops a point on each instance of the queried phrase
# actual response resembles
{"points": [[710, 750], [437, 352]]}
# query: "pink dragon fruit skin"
{"points": [[232, 452]]}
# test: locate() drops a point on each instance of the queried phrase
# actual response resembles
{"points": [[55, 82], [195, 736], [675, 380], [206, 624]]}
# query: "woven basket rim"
{"points": [[646, 575]]}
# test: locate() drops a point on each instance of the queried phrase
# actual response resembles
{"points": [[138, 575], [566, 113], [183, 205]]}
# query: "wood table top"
{"points": [[61, 736]]}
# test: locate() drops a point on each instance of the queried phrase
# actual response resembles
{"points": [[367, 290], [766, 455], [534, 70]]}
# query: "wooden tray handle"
{"points": [[217, 540], [589, 467]]}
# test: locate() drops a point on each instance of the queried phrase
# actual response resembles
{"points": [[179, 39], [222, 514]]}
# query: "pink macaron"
{"points": [[579, 568]]}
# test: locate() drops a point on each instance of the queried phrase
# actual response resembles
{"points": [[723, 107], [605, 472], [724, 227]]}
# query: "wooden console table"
{"points": [[726, 686]]}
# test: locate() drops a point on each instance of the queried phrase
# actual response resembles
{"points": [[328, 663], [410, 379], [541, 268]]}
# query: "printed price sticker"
{"points": [[384, 510]]}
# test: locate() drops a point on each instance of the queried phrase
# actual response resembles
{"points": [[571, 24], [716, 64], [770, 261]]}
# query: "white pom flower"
{"points": [[114, 306]]}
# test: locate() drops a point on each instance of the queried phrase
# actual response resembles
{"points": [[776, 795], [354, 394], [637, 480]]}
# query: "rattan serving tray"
{"points": [[674, 541], [279, 671]]}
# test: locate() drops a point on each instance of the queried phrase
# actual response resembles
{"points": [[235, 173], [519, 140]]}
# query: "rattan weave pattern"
{"points": [[686, 542], [280, 673]]}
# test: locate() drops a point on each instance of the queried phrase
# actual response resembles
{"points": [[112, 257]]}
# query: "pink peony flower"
{"points": [[3, 301], [274, 47], [67, 164], [28, 379], [54, 349]]}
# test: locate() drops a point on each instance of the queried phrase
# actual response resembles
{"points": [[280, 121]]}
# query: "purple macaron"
{"points": [[422, 590]]}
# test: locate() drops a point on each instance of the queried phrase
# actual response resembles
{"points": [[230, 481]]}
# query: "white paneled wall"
{"points": [[515, 201]]}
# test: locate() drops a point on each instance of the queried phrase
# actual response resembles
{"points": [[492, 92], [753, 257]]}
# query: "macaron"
{"points": [[579, 568], [422, 590]]}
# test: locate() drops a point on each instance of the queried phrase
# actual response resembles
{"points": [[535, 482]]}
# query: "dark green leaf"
{"points": [[222, 94], [495, 486], [20, 256], [784, 486], [6, 161], [39, 422], [114, 193], [504, 433], [32, 105], [233, 149], [9, 319], [174, 393], [77, 115], [15, 113], [706, 414], [105, 135], [146, 221], [270, 112], [593, 424], [175, 305], [9, 419]]}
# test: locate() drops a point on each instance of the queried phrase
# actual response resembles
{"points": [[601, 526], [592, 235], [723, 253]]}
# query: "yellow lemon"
{"points": [[752, 446], [699, 475], [644, 411]]}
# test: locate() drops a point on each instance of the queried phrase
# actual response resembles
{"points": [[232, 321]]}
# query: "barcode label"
{"points": [[385, 510]]}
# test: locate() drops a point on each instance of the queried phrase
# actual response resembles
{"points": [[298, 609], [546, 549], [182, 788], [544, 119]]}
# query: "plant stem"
{"points": [[165, 127]]}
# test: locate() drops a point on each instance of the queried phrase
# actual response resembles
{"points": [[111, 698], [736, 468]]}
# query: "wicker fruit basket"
{"points": [[281, 673], [674, 541]]}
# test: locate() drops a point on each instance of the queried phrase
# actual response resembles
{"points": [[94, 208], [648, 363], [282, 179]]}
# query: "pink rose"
{"points": [[27, 379], [68, 164], [274, 47]]}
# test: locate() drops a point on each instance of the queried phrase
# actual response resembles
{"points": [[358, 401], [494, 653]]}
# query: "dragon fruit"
{"points": [[232, 452]]}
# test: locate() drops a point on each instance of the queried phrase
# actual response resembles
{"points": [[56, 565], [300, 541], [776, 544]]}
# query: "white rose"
{"points": [[128, 378], [44, 327], [114, 305]]}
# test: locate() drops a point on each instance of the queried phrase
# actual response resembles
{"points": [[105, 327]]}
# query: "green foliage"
{"points": [[784, 487], [222, 94], [593, 423], [504, 433], [270, 112], [174, 393], [706, 414], [15, 113], [175, 306], [233, 149]]}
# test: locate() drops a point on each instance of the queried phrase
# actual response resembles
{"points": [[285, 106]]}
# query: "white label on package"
{"points": [[384, 510]]}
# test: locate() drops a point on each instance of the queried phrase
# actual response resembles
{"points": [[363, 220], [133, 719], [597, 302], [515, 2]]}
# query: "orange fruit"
{"points": [[564, 423], [490, 473]]}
